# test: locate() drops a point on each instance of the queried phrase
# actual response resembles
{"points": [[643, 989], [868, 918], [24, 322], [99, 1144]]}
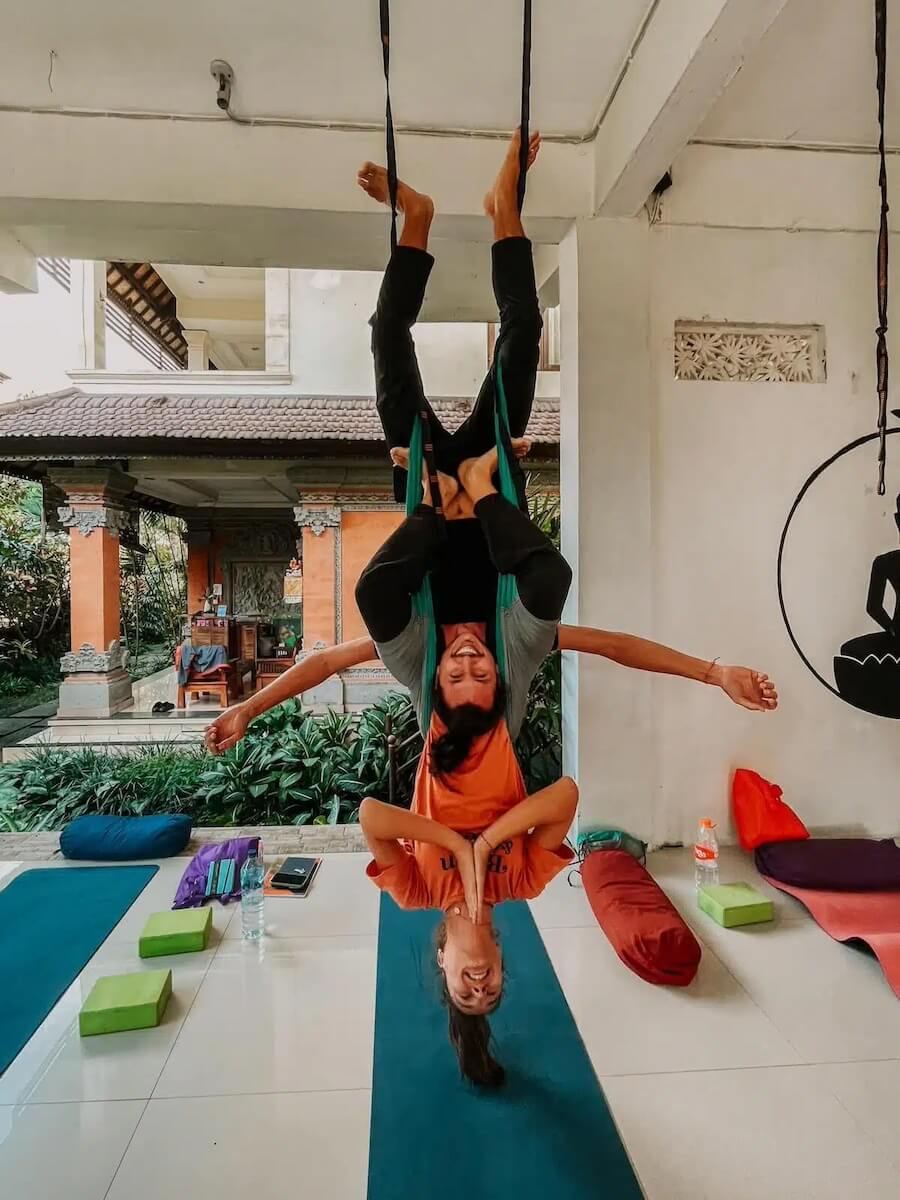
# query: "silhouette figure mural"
{"points": [[825, 574], [867, 670]]}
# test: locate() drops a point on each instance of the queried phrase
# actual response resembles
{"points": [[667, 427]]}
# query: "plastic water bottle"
{"points": [[253, 874], [706, 854]]}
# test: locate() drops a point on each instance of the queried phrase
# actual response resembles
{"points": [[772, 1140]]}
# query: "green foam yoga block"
{"points": [[120, 1002], [734, 904], [179, 932]]}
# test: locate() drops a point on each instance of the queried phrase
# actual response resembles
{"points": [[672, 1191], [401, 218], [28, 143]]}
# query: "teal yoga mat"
{"points": [[52, 920], [548, 1132]]}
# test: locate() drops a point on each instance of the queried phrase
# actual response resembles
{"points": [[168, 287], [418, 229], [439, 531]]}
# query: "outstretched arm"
{"points": [[228, 729], [751, 689]]}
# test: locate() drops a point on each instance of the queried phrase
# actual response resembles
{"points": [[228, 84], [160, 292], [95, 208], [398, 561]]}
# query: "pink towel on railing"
{"points": [[870, 917]]}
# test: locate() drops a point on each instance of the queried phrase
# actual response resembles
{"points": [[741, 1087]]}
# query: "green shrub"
{"points": [[539, 744], [291, 768]]}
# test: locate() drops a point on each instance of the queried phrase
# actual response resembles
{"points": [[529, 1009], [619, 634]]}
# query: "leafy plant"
{"points": [[539, 744], [291, 768], [34, 568], [154, 588]]}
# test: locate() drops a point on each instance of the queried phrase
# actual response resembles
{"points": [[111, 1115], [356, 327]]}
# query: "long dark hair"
{"points": [[464, 724], [470, 1035]]}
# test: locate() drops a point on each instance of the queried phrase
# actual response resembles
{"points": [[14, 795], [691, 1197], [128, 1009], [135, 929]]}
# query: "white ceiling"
{"points": [[229, 303], [812, 79], [455, 65]]}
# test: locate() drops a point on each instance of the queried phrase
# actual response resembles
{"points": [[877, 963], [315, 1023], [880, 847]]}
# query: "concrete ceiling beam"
{"points": [[687, 57], [218, 193]]}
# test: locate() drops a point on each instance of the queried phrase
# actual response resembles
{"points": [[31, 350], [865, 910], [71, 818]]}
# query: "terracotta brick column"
{"points": [[198, 566], [320, 526], [320, 547], [96, 513]]}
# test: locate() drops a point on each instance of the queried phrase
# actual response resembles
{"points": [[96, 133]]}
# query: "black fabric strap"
{"points": [[388, 116], [427, 445], [526, 100], [881, 351], [385, 19]]}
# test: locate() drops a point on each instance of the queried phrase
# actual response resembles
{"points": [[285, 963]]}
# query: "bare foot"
{"points": [[506, 184], [476, 474], [449, 487], [374, 182]]}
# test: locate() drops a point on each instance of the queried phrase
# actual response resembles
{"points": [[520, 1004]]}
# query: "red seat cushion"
{"points": [[761, 816], [643, 926]]}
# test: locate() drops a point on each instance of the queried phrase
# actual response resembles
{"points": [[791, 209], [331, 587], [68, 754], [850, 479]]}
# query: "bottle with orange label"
{"points": [[706, 854]]}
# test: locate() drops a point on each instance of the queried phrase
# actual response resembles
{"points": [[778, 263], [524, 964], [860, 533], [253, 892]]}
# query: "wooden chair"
{"points": [[268, 669], [219, 681]]}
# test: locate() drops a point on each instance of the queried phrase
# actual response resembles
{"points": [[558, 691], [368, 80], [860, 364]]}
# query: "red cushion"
{"points": [[643, 926], [761, 816]]}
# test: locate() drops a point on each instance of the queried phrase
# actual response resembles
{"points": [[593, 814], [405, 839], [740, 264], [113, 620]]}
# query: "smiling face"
{"points": [[473, 968], [467, 671]]}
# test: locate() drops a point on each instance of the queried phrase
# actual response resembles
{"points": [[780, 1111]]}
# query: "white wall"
{"points": [[330, 341], [730, 458], [40, 341]]}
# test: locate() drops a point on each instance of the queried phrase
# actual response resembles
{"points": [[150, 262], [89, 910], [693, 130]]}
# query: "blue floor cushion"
{"points": [[120, 839]]}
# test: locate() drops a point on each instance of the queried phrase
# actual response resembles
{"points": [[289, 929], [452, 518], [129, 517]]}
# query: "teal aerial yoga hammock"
{"points": [[420, 448]]}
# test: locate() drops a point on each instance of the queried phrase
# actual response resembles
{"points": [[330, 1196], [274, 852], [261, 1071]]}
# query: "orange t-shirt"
{"points": [[487, 785]]}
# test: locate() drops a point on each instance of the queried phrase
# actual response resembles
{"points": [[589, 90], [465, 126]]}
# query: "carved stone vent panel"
{"points": [[725, 353]]}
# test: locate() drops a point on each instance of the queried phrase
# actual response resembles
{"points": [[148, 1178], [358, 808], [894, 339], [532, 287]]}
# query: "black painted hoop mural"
{"points": [[866, 668]]}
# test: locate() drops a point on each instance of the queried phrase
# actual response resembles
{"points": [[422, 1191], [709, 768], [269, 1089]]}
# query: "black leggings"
{"points": [[464, 562], [398, 383]]}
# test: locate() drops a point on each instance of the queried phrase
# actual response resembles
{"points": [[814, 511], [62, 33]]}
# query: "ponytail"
{"points": [[470, 1037]]}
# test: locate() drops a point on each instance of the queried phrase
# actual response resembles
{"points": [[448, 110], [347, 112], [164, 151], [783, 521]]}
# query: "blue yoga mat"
{"points": [[548, 1132], [52, 921]]}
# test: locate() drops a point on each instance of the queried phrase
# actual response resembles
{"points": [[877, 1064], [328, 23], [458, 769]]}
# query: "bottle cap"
{"points": [[706, 823]]}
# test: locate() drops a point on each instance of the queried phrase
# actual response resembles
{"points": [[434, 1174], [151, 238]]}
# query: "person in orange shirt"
{"points": [[471, 840]]}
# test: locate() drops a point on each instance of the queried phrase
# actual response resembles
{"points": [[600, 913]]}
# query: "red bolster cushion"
{"points": [[643, 926]]}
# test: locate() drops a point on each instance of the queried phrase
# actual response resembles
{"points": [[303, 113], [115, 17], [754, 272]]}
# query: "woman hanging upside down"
{"points": [[473, 838]]}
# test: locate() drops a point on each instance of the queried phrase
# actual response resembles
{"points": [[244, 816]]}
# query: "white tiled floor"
{"points": [[776, 1075]]}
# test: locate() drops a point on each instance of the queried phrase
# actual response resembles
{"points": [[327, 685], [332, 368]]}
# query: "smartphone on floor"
{"points": [[295, 875]]}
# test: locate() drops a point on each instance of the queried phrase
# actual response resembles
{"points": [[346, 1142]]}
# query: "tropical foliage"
{"points": [[154, 590], [291, 768], [33, 585], [34, 596]]}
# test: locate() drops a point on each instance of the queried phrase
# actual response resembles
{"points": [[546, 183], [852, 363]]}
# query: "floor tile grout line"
{"points": [[750, 997], [265, 1092], [601, 1075], [137, 1126], [780, 1066], [145, 1100], [753, 1000], [876, 1146], [126, 1149]]}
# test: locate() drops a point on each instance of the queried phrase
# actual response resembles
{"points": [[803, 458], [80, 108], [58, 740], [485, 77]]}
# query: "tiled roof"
{"points": [[77, 414]]}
